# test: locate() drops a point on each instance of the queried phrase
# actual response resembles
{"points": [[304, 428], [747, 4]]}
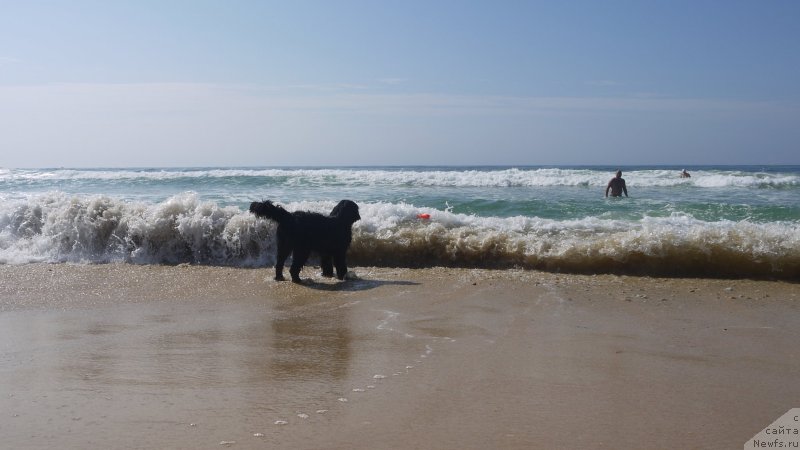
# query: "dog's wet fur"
{"points": [[302, 232]]}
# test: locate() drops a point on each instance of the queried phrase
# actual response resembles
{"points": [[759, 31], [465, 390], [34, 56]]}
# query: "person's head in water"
{"points": [[619, 173]]}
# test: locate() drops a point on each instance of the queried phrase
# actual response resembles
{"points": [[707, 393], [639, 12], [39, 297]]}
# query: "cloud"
{"points": [[187, 124], [392, 81], [194, 98], [604, 83], [330, 87]]}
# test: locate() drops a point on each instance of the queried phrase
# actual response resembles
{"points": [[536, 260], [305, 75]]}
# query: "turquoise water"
{"points": [[723, 221]]}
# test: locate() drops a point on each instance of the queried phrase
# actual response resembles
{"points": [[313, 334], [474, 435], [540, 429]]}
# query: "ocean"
{"points": [[724, 221]]}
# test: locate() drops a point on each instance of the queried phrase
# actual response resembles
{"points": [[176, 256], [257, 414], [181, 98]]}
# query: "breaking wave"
{"points": [[56, 227], [429, 177]]}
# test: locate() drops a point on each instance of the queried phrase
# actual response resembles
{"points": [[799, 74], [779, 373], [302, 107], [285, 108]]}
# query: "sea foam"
{"points": [[56, 227], [430, 177]]}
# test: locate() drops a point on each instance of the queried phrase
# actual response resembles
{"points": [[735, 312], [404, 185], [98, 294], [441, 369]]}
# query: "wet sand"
{"points": [[122, 356]]}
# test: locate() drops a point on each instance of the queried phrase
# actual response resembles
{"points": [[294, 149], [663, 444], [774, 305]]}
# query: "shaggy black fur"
{"points": [[302, 232]]}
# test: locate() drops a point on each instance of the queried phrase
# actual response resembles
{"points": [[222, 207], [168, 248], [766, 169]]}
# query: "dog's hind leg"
{"points": [[326, 263], [299, 258]]}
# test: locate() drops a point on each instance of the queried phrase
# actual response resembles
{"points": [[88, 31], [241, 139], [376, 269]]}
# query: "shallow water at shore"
{"points": [[131, 356]]}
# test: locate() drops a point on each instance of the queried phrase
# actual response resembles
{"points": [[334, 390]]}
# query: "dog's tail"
{"points": [[268, 210]]}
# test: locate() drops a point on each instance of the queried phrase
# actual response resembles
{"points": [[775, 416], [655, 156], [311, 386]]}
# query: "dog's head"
{"points": [[346, 210], [261, 209]]}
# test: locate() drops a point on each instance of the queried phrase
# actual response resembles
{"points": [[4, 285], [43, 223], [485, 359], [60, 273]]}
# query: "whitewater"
{"points": [[729, 221]]}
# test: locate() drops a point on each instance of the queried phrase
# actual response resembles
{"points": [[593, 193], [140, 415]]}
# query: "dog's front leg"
{"points": [[340, 261], [326, 263], [284, 251]]}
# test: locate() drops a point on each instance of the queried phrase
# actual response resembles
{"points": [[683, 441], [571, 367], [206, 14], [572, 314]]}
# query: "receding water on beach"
{"points": [[739, 221], [190, 370], [191, 356]]}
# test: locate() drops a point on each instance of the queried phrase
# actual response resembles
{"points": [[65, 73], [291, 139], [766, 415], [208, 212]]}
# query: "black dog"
{"points": [[301, 232]]}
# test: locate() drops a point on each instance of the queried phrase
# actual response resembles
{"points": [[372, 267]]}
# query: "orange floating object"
{"points": [[425, 216]]}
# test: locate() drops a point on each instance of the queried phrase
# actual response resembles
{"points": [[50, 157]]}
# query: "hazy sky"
{"points": [[241, 83]]}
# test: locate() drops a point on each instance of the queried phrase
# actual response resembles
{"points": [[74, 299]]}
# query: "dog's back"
{"points": [[318, 232]]}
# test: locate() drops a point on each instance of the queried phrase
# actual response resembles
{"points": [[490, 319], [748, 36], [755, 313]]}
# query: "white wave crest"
{"points": [[56, 227], [501, 177]]}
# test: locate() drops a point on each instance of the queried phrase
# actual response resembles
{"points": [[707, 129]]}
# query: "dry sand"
{"points": [[123, 356]]}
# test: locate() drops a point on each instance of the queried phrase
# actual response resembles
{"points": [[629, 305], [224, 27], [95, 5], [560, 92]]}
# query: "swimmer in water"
{"points": [[617, 186]]}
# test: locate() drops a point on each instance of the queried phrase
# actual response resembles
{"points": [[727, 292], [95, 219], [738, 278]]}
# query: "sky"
{"points": [[198, 83]]}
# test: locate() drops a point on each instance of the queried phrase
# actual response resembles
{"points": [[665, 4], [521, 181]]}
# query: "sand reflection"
{"points": [[205, 347], [311, 344]]}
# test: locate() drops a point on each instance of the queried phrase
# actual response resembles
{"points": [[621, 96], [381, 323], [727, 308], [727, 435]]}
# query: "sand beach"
{"points": [[152, 356], [457, 156]]}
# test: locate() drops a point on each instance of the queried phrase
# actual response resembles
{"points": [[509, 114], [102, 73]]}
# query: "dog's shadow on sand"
{"points": [[354, 285]]}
